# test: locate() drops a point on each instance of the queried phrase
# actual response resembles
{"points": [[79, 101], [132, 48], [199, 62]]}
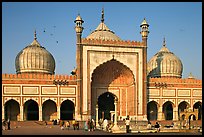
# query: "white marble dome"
{"points": [[35, 59], [165, 64]]}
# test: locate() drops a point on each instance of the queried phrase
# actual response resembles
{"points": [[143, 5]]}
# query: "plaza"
{"points": [[55, 130]]}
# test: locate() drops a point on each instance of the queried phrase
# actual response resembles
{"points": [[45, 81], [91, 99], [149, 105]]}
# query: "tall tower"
{"points": [[79, 70], [144, 32]]}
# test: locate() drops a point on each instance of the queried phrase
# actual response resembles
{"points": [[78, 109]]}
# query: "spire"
{"points": [[102, 15], [35, 35], [164, 42], [35, 42]]}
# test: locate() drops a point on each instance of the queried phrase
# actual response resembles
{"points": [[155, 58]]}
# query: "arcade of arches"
{"points": [[31, 110], [169, 112]]}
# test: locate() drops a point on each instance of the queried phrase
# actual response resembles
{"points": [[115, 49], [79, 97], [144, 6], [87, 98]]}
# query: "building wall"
{"points": [[176, 91]]}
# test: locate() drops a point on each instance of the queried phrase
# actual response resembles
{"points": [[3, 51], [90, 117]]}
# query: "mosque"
{"points": [[111, 75]]}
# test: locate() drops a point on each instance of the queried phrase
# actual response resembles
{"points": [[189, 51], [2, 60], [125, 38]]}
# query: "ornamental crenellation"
{"points": [[112, 42]]}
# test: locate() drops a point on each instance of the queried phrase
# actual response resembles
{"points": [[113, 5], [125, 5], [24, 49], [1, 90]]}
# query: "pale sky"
{"points": [[179, 22]]}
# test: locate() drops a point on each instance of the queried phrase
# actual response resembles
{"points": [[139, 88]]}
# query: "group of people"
{"points": [[65, 125], [6, 125], [89, 125], [157, 126]]}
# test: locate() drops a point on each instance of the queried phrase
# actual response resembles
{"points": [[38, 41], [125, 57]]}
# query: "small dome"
{"points": [[34, 59], [165, 64], [144, 22], [78, 18], [103, 32]]}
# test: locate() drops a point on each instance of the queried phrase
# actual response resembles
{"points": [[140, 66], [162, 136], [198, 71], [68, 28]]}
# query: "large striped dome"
{"points": [[165, 64], [34, 59]]}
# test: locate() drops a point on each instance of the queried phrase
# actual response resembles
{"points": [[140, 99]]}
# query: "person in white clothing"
{"points": [[127, 123]]}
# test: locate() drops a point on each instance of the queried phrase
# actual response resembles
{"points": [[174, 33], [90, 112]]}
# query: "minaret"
{"points": [[144, 32], [79, 61], [78, 28]]}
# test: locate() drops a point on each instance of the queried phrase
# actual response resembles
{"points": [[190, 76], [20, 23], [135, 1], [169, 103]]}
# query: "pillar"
{"points": [[115, 119], [21, 113], [160, 114], [97, 125], [3, 113], [58, 112], [115, 128], [175, 113], [40, 113]]}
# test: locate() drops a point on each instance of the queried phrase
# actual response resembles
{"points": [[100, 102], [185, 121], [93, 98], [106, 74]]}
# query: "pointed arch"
{"points": [[12, 110], [167, 110], [49, 110], [31, 110], [152, 110]]}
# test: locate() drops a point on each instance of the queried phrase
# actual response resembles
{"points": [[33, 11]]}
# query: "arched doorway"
{"points": [[31, 110], [113, 75], [183, 105], [49, 110], [67, 110], [168, 110], [198, 106], [152, 110], [105, 105], [12, 110]]}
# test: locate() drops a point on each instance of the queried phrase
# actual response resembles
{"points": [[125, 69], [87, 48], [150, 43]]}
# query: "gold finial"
{"points": [[164, 42], [35, 35], [102, 15]]}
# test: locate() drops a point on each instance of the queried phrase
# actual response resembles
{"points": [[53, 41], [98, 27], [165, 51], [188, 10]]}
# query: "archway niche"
{"points": [[67, 110], [198, 105], [31, 110], [183, 105], [12, 110], [49, 110], [168, 110], [152, 110]]}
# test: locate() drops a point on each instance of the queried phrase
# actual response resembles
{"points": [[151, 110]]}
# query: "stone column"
{"points": [[58, 112], [115, 128], [21, 113], [160, 114], [40, 113], [175, 113], [115, 119], [3, 112], [97, 125]]}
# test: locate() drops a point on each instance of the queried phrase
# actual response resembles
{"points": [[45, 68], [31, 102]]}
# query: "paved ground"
{"points": [[55, 130]]}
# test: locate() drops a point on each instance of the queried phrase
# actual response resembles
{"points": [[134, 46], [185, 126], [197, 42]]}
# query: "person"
{"points": [[127, 123], [105, 123], [67, 125], [9, 124], [149, 126], [4, 125], [86, 125], [73, 124], [92, 124], [157, 126]]}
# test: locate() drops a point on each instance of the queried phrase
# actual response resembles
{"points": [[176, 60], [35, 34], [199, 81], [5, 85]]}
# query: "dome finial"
{"points": [[164, 42], [102, 15], [35, 35]]}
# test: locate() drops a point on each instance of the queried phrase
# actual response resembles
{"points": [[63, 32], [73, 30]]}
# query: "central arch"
{"points": [[113, 78]]}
